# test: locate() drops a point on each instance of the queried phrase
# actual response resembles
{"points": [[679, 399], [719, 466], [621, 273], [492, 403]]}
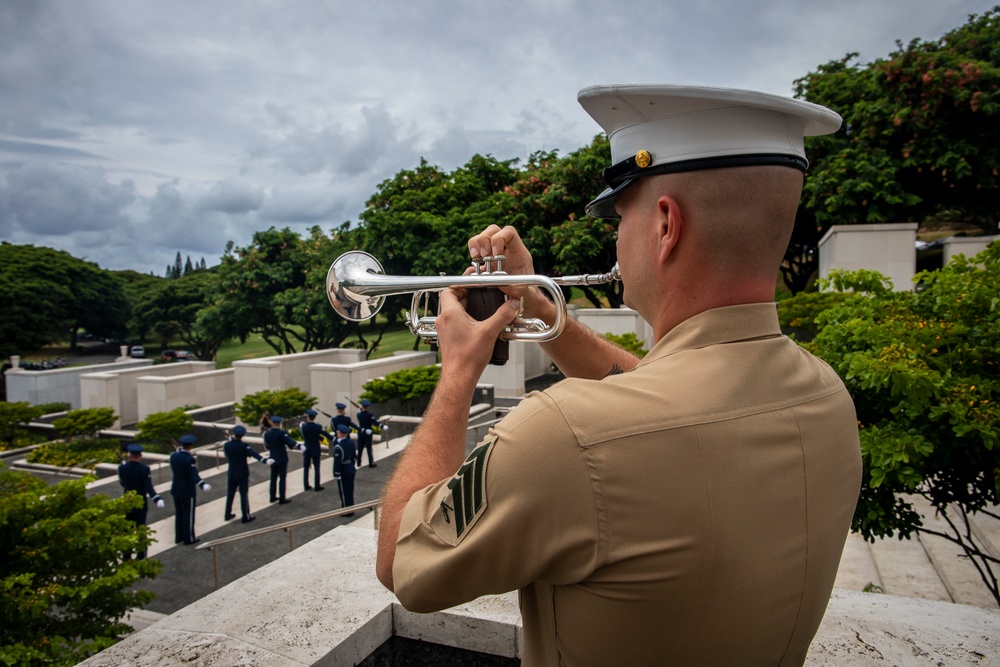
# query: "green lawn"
{"points": [[396, 339]]}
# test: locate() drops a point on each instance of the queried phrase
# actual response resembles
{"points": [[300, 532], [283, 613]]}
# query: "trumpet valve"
{"points": [[487, 262]]}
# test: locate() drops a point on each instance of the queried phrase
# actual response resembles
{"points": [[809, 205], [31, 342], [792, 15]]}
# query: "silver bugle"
{"points": [[356, 286]]}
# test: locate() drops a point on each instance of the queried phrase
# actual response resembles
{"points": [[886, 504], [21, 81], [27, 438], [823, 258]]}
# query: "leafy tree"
{"points": [[548, 206], [920, 139], [86, 422], [164, 427], [66, 585], [276, 287], [283, 402], [923, 367], [50, 295], [171, 310]]}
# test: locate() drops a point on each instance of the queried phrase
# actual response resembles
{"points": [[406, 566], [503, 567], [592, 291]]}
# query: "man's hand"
{"points": [[494, 241], [467, 344]]}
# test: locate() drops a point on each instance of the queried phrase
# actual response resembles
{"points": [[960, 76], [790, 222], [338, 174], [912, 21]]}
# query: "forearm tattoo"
{"points": [[615, 370]]}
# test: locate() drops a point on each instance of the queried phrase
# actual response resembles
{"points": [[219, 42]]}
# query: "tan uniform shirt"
{"points": [[689, 512]]}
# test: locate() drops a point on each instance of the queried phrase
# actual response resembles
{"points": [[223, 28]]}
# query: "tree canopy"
{"points": [[920, 139], [49, 295]]}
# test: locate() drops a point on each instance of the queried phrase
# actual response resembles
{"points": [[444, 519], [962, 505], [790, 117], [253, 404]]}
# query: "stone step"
{"points": [[957, 572]]}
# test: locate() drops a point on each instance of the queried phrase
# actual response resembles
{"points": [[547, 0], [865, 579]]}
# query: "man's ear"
{"points": [[670, 225]]}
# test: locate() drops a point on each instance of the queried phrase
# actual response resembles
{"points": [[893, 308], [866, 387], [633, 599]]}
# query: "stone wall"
{"points": [[58, 385], [283, 614], [889, 249]]}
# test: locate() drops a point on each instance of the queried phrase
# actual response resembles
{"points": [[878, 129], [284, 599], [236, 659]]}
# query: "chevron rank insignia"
{"points": [[464, 498]]}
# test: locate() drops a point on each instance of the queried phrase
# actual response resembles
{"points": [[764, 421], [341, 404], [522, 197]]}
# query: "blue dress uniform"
{"points": [[341, 418], [343, 465], [311, 432], [184, 490], [278, 443], [365, 422], [238, 478], [135, 476]]}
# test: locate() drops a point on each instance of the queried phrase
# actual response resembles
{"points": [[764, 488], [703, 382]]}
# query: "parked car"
{"points": [[137, 352], [176, 355]]}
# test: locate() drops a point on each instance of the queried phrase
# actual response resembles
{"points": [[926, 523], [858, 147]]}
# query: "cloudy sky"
{"points": [[130, 131]]}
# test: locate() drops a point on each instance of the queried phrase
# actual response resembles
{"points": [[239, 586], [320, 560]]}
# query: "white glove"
{"points": [[302, 448], [368, 431], [160, 503], [205, 486], [385, 427], [268, 461], [336, 478]]}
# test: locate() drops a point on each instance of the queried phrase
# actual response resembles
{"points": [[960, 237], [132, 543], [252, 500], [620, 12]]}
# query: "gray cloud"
{"points": [[131, 131]]}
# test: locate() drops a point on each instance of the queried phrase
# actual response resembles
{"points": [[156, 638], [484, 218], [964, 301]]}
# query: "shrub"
{"points": [[79, 454], [66, 585], [924, 370], [87, 422], [14, 417], [164, 427], [629, 342], [403, 385], [289, 402]]}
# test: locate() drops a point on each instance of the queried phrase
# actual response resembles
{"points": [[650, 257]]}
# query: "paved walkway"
{"points": [[189, 574]]}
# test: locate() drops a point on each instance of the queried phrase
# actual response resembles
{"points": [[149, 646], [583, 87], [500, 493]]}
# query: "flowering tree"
{"points": [[920, 139], [923, 367]]}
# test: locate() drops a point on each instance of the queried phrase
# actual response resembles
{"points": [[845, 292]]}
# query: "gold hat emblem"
{"points": [[643, 159]]}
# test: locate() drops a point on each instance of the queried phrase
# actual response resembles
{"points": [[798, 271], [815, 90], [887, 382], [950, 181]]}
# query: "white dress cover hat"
{"points": [[665, 128]]}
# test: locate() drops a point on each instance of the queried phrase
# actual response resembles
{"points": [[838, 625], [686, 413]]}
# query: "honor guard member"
{"points": [[311, 433], [135, 476], [342, 418], [185, 490], [343, 465], [238, 477], [365, 422], [278, 443], [686, 508]]}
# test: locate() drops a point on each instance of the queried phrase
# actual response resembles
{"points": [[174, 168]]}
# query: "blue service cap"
{"points": [[239, 430], [134, 448], [187, 439], [365, 402], [311, 413], [275, 419], [341, 406], [344, 428]]}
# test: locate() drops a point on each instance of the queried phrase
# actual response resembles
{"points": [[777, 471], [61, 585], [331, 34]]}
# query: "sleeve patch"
{"points": [[464, 499]]}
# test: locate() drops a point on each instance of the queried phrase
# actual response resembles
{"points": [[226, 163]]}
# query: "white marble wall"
{"points": [[288, 370], [58, 384], [161, 394], [337, 382], [119, 387], [970, 246], [889, 249]]}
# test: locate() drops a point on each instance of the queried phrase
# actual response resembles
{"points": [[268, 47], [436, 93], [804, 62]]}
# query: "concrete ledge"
{"points": [[322, 605]]}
